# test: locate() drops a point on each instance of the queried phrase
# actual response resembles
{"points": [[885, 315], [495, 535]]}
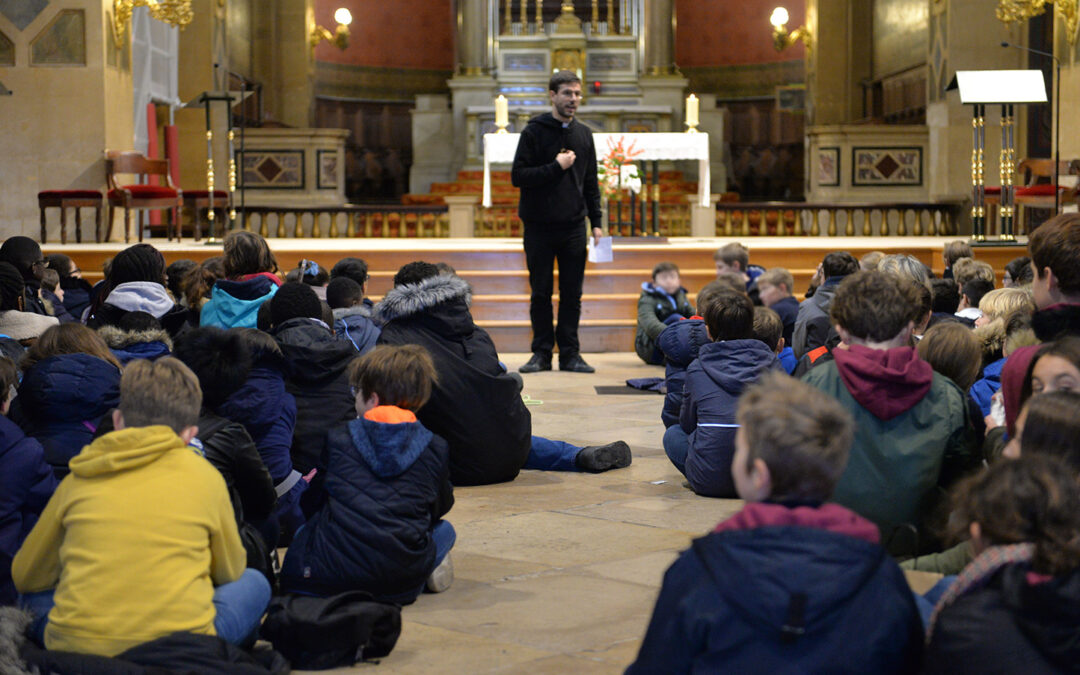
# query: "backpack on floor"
{"points": [[317, 633]]}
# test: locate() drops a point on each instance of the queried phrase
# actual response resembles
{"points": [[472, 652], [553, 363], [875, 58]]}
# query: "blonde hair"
{"points": [[163, 392], [803, 437], [870, 260], [775, 276], [1003, 302]]}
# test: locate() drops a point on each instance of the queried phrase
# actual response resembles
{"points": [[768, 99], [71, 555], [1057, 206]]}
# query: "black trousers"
{"points": [[542, 248]]}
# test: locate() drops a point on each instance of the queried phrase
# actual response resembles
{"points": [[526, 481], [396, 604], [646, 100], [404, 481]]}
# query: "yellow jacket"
{"points": [[134, 541]]}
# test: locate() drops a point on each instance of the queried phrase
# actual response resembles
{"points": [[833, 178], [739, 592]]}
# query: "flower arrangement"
{"points": [[617, 170]]}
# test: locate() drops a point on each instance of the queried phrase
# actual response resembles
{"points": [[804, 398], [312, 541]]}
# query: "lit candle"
{"points": [[502, 112], [691, 111]]}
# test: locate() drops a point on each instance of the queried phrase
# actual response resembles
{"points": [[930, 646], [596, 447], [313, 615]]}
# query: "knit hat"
{"points": [[12, 286], [141, 262], [294, 300]]}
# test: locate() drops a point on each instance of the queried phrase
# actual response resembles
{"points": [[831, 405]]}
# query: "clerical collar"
{"points": [[565, 125]]}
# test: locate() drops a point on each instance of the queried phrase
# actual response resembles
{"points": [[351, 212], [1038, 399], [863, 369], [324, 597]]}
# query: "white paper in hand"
{"points": [[601, 252]]}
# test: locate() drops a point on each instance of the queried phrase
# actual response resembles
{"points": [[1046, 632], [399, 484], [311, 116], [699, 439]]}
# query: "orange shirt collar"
{"points": [[390, 414]]}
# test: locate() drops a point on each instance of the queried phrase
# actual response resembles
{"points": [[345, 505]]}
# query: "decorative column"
{"points": [[472, 36], [659, 37], [473, 84]]}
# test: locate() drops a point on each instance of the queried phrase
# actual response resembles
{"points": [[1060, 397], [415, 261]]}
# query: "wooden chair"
{"points": [[141, 197], [197, 200], [71, 199], [1032, 192]]}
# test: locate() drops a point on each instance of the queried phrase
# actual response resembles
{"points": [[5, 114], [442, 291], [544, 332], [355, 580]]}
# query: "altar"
{"points": [[500, 149]]}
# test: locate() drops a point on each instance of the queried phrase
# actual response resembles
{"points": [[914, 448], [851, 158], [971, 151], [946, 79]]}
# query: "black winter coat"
{"points": [[475, 405], [317, 379], [387, 486], [1010, 626], [551, 195], [680, 344], [230, 449]]}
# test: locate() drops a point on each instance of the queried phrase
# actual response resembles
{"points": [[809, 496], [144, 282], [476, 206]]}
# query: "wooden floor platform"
{"points": [[496, 269]]}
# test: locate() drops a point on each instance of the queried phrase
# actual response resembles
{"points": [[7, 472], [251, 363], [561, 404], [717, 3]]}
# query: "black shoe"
{"points": [[537, 363], [576, 364], [597, 458]]}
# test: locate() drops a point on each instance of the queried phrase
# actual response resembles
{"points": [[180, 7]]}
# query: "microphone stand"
{"points": [[1057, 120]]}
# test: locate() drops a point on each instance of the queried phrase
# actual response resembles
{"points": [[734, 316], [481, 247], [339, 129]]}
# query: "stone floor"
{"points": [[558, 572]]}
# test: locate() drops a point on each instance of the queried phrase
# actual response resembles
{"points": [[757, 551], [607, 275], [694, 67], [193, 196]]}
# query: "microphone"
{"points": [[1029, 49]]}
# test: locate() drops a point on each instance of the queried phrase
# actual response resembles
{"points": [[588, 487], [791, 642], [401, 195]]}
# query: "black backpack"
{"points": [[319, 633]]}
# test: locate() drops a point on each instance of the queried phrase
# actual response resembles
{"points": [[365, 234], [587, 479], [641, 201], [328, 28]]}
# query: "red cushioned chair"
{"points": [[197, 200], [73, 199], [141, 197], [1033, 194]]}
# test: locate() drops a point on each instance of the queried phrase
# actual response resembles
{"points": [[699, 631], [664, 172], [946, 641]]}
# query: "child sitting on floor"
{"points": [[352, 316], [380, 529], [140, 541], [790, 583], [680, 343], [662, 303], [769, 328]]}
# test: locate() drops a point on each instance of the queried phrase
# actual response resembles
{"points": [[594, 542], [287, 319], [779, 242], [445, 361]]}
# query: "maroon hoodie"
{"points": [[1013, 375], [887, 382], [829, 517]]}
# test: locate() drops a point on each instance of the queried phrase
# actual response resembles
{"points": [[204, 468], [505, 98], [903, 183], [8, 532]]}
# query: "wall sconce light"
{"points": [[782, 39], [175, 12], [340, 37]]}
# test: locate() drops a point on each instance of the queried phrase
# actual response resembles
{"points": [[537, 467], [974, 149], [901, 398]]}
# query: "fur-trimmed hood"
{"points": [[117, 338], [356, 310], [411, 299]]}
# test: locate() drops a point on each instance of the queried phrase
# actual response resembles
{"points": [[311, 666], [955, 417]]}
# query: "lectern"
{"points": [[979, 88]]}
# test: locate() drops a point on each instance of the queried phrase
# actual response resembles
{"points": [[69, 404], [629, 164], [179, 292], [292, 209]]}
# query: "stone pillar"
{"points": [[702, 218], [659, 37], [462, 215], [473, 37], [432, 127], [284, 61], [838, 60]]}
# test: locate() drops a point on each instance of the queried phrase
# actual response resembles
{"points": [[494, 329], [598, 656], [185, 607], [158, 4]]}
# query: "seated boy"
{"points": [[662, 303], [380, 529], [352, 316], [702, 444], [912, 433], [774, 288], [790, 583], [769, 328], [680, 343], [140, 541]]}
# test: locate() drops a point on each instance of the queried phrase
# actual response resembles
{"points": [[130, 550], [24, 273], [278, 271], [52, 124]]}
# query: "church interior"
{"points": [[372, 128]]}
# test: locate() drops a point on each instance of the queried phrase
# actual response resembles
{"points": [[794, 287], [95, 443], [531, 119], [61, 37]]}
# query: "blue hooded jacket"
{"points": [[235, 304], [387, 486], [355, 325], [713, 385], [680, 343], [782, 599], [62, 400], [26, 483], [986, 386]]}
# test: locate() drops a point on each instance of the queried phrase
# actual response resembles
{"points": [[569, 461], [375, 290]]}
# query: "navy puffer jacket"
{"points": [[680, 344], [387, 486], [26, 483], [62, 400], [713, 385]]}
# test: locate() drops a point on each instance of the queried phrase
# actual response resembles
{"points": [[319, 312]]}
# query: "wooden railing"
{"points": [[350, 220], [749, 219]]}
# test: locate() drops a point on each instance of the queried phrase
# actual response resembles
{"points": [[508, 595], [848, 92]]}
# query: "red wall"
{"points": [[732, 32], [391, 33]]}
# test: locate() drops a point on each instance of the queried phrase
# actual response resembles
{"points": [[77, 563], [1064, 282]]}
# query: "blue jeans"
{"points": [[927, 601], [239, 605], [677, 446], [548, 455]]}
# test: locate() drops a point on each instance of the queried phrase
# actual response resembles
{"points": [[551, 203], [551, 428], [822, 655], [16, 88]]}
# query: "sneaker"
{"points": [[442, 577], [537, 363], [576, 364], [598, 458]]}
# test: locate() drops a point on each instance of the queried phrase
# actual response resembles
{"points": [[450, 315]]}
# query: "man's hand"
{"points": [[566, 159], [597, 233]]}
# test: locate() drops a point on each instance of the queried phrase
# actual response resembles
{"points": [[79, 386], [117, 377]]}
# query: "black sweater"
{"points": [[551, 196]]}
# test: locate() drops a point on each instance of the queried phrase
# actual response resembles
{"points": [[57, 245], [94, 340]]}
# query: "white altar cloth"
{"points": [[500, 149]]}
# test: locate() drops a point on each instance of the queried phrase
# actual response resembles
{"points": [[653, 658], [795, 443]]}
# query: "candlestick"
{"points": [[502, 114], [691, 114]]}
